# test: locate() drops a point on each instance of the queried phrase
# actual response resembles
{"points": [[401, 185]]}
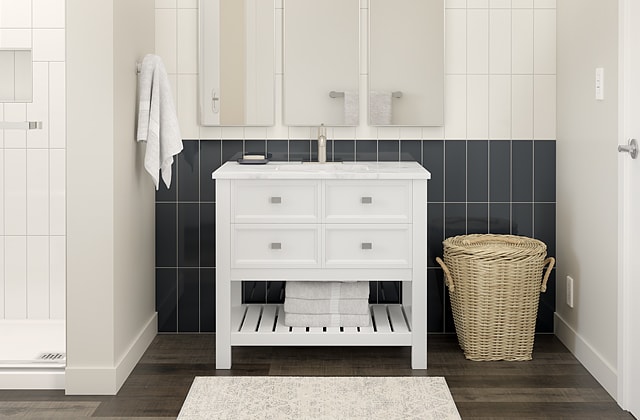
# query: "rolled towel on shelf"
{"points": [[326, 320], [327, 306], [327, 289]]}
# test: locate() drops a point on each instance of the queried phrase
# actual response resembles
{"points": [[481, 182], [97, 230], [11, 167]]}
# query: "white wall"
{"points": [[499, 84], [110, 279], [587, 184], [32, 168]]}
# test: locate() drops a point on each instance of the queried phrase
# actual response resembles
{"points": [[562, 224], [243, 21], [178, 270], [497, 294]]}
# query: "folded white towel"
{"points": [[157, 119], [326, 320], [379, 107], [351, 108], [326, 306], [327, 289]]}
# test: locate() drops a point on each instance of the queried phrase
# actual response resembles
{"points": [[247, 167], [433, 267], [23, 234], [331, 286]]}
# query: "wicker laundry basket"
{"points": [[495, 283]]}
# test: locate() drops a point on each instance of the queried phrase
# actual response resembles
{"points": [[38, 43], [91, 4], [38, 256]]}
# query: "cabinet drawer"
{"points": [[377, 201], [269, 201], [368, 246], [279, 246]]}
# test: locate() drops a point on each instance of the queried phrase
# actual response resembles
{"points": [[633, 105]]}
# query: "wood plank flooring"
{"points": [[551, 386]]}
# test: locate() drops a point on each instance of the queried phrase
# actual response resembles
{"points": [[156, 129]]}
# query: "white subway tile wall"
{"points": [[509, 42], [32, 168]]}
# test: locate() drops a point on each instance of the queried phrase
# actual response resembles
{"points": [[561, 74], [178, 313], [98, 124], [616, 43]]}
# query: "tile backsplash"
{"points": [[480, 186]]}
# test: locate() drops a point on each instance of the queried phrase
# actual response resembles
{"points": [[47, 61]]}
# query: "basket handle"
{"points": [[448, 280], [551, 261]]}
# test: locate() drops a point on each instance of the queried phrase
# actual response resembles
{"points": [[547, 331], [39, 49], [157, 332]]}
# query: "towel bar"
{"points": [[21, 125]]}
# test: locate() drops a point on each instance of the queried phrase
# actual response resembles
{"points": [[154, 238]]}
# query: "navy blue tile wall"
{"points": [[478, 186]]}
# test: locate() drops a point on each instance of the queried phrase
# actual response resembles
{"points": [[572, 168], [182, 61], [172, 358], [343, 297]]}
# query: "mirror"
{"points": [[321, 62], [237, 62], [406, 62], [16, 76]]}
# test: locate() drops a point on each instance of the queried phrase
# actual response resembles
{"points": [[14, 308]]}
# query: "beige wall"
{"points": [[587, 183], [110, 217]]}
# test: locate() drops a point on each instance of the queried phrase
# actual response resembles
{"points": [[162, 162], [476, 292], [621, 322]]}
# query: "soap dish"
{"points": [[254, 159]]}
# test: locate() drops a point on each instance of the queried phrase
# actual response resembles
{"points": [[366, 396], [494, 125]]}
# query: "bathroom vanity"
{"points": [[352, 221]]}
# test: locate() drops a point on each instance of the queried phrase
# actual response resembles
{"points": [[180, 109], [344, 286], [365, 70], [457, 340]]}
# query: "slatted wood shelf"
{"points": [[263, 325]]}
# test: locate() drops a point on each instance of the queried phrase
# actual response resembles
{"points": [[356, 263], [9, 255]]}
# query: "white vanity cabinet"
{"points": [[363, 221]]}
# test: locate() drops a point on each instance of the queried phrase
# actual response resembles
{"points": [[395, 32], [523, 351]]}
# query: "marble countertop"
{"points": [[329, 170]]}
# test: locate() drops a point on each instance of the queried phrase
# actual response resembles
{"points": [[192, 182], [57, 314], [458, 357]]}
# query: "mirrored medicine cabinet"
{"points": [[406, 62], [16, 75], [237, 62]]}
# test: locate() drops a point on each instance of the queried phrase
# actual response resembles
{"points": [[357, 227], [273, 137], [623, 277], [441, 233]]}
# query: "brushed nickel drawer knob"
{"points": [[366, 200], [276, 200], [366, 245], [276, 245]]}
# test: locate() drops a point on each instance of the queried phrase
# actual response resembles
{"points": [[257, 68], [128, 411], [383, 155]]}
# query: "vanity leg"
{"points": [[223, 275], [419, 281]]}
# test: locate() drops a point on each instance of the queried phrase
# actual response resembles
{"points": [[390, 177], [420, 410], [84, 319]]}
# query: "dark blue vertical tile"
{"points": [[478, 171], [455, 166], [207, 300], [166, 234], [544, 225], [189, 171], [449, 323], [170, 194], [188, 300], [500, 218], [254, 291], [433, 161], [522, 171], [373, 292], [255, 146], [275, 291], [166, 299], [389, 292], [299, 150], [210, 160], [344, 150], [188, 234], [455, 220], [435, 301], [435, 232], [388, 150], [477, 218], [330, 157], [366, 150], [279, 150], [231, 150], [207, 235], [411, 150], [500, 171], [547, 306], [544, 170], [522, 219]]}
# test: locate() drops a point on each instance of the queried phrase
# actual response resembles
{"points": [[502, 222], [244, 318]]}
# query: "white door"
{"points": [[629, 212]]}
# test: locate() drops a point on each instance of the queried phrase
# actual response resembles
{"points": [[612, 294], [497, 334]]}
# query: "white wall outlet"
{"points": [[570, 291], [599, 84]]}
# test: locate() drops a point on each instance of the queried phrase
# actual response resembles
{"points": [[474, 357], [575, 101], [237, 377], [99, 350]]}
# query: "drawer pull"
{"points": [[276, 200], [275, 245], [366, 245], [366, 200]]}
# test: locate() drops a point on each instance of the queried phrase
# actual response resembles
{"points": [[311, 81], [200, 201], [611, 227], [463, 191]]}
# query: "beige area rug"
{"points": [[294, 397]]}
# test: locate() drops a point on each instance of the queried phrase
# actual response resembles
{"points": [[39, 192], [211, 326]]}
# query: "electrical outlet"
{"points": [[570, 292]]}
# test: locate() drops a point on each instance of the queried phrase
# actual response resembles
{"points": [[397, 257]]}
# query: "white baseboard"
{"points": [[108, 380], [32, 378], [589, 357]]}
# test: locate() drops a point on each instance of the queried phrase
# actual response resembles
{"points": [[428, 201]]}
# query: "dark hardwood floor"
{"points": [[553, 385]]}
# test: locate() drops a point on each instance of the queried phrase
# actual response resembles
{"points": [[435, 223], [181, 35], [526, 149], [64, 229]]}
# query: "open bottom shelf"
{"points": [[263, 325]]}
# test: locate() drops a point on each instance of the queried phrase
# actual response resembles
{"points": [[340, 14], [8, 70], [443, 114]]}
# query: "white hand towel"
{"points": [[157, 120], [379, 107], [326, 306], [327, 289], [351, 108]]}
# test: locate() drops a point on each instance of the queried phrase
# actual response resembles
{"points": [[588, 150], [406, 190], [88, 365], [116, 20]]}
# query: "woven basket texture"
{"points": [[494, 285]]}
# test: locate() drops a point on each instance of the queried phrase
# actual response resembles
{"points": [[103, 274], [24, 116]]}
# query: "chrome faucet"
{"points": [[322, 144]]}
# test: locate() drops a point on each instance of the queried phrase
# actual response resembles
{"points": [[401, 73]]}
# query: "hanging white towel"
{"points": [[157, 120], [379, 107], [351, 108]]}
